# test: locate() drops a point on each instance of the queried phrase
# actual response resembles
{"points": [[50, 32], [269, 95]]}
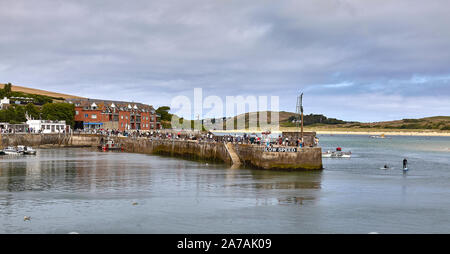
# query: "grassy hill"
{"points": [[427, 123], [320, 122], [285, 119], [28, 90]]}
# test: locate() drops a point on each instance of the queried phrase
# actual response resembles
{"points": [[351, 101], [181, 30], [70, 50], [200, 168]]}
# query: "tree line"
{"points": [[317, 119], [15, 114]]}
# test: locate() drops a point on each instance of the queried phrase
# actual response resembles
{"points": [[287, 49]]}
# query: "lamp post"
{"points": [[301, 111]]}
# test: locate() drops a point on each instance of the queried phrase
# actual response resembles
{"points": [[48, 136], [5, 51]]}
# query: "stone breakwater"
{"points": [[308, 158]]}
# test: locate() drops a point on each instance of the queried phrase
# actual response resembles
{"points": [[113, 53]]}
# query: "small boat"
{"points": [[380, 136], [21, 149], [10, 150], [29, 151], [337, 154], [110, 145]]}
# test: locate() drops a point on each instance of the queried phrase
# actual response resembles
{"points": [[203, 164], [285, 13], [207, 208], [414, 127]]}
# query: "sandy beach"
{"points": [[353, 132], [386, 133]]}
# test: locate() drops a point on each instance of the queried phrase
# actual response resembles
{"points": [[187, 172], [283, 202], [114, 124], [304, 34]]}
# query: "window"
{"points": [[94, 116], [86, 115], [121, 117], [126, 117], [76, 112], [121, 124]]}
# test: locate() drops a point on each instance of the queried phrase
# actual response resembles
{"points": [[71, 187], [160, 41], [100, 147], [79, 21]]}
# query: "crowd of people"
{"points": [[268, 141], [263, 140]]}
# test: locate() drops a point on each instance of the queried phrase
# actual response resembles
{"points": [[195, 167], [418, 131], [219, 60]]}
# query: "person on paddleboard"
{"points": [[405, 163]]}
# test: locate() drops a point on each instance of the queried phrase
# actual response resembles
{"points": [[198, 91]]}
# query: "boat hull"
{"points": [[337, 155]]}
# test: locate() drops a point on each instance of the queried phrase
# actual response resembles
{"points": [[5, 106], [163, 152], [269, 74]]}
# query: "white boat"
{"points": [[336, 154], [26, 150], [381, 136], [10, 150], [21, 149], [29, 151]]}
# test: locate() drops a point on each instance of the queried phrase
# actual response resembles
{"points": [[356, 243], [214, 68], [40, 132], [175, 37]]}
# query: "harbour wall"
{"points": [[49, 140], [307, 158]]}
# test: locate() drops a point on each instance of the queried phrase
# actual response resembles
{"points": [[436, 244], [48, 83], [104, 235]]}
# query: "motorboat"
{"points": [[380, 136], [336, 154], [11, 150], [29, 151], [21, 149], [110, 145]]}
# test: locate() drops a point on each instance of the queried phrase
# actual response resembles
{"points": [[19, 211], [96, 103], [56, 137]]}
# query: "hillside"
{"points": [[321, 122], [28, 90], [428, 123], [286, 119]]}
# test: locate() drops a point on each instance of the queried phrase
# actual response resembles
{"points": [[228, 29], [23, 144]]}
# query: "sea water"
{"points": [[87, 191]]}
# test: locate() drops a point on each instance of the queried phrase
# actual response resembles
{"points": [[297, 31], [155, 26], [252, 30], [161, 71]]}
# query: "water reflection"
{"points": [[87, 191], [80, 170]]}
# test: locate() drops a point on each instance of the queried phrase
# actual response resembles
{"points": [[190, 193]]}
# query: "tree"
{"points": [[19, 114], [59, 111], [164, 113], [32, 111], [7, 89], [13, 114]]}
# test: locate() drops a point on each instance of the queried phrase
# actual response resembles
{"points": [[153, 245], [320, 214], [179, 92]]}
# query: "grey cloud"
{"points": [[149, 51]]}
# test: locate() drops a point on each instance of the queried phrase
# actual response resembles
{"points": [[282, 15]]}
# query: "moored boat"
{"points": [[10, 150], [337, 154], [29, 151], [20, 149], [110, 145]]}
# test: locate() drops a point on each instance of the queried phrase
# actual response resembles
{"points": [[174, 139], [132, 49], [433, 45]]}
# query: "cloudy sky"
{"points": [[358, 60]]}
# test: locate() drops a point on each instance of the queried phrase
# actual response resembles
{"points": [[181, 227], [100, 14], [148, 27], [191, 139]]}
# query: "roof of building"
{"points": [[108, 105]]}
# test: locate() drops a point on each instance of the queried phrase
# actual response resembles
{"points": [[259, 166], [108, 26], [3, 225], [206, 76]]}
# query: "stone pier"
{"points": [[237, 155]]}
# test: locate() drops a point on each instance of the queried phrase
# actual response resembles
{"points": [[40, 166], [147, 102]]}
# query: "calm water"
{"points": [[66, 190]]}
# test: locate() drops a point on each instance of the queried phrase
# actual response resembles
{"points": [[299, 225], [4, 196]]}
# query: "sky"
{"points": [[354, 60]]}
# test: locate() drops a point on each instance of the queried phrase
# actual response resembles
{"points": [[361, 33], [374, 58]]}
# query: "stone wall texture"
{"points": [[307, 158]]}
